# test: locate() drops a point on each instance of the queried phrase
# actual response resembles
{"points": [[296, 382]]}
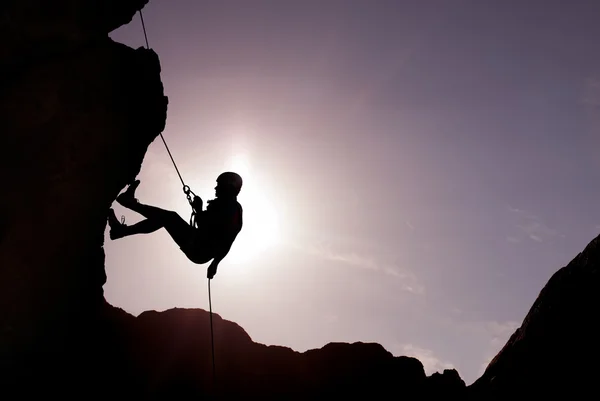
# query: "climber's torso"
{"points": [[217, 228]]}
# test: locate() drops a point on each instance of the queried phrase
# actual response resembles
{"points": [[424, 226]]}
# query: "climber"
{"points": [[210, 238]]}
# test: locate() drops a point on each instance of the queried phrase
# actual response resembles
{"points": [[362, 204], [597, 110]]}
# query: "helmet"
{"points": [[231, 180]]}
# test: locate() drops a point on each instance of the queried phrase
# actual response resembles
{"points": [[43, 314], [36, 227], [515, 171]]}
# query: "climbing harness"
{"points": [[190, 196]]}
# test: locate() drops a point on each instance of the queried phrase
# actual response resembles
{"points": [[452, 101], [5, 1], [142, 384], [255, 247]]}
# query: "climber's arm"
{"points": [[197, 204], [224, 230], [220, 254]]}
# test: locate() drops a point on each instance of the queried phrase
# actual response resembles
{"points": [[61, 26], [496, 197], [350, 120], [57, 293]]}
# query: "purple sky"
{"points": [[424, 166]]}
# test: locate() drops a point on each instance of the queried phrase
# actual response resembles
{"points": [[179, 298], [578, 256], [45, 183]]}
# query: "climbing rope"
{"points": [[144, 28], [189, 194], [212, 339]]}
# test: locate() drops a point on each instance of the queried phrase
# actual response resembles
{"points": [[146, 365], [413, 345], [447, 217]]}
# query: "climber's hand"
{"points": [[197, 203], [212, 270]]}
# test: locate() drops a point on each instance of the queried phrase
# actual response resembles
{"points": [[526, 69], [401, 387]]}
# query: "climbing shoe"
{"points": [[127, 198], [117, 229]]}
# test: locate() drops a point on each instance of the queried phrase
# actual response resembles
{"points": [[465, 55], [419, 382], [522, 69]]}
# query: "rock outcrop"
{"points": [[556, 349], [171, 352], [78, 112]]}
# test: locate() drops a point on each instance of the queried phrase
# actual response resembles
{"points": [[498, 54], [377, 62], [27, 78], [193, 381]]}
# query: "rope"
{"points": [[161, 135], [188, 192], [212, 339], [144, 28]]}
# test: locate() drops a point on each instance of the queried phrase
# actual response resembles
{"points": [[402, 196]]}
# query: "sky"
{"points": [[414, 171]]}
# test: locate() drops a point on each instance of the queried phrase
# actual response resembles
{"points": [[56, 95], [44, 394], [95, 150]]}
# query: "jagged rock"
{"points": [[172, 354], [448, 382], [35, 31], [78, 112], [555, 351]]}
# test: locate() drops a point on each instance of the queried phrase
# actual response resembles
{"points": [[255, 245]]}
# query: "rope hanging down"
{"points": [[212, 339], [188, 193]]}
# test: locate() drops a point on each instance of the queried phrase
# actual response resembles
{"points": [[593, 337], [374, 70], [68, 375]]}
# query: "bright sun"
{"points": [[261, 225]]}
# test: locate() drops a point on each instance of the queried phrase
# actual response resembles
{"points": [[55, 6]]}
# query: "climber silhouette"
{"points": [[210, 238]]}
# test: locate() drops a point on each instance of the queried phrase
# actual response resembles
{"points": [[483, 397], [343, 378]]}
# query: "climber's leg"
{"points": [[120, 230], [129, 195], [185, 236], [156, 218]]}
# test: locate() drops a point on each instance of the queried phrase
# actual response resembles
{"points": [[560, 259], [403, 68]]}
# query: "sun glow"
{"points": [[261, 221]]}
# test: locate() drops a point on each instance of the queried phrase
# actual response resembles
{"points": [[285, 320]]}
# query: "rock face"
{"points": [[556, 349], [77, 113]]}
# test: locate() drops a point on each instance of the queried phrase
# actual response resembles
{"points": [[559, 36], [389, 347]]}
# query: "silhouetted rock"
{"points": [[556, 349], [173, 357], [37, 31], [448, 382], [78, 112]]}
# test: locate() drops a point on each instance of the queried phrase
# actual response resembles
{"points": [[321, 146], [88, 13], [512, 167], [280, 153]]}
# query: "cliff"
{"points": [[555, 350], [78, 112]]}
